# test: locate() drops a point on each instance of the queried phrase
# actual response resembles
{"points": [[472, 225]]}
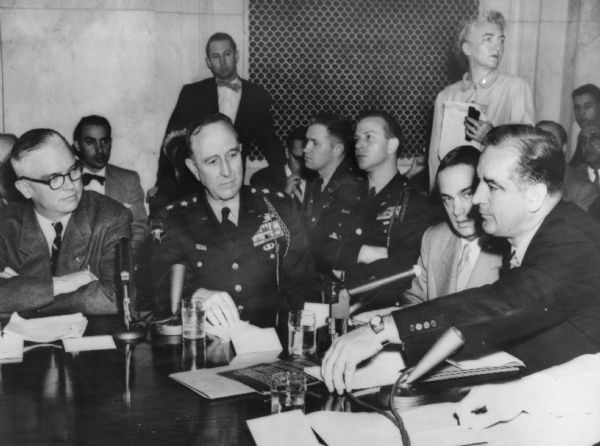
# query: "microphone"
{"points": [[124, 273], [450, 341], [177, 277], [124, 269]]}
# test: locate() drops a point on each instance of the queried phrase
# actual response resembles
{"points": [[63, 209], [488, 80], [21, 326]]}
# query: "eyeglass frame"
{"points": [[77, 167]]}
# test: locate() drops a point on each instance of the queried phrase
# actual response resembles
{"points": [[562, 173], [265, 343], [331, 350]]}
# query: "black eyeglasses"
{"points": [[57, 180]]}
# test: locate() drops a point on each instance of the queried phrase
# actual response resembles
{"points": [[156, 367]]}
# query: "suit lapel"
{"points": [[448, 266], [73, 252], [486, 269], [32, 238], [113, 186]]}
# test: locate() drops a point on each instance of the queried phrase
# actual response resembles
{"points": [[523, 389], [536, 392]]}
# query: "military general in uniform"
{"points": [[245, 249]]}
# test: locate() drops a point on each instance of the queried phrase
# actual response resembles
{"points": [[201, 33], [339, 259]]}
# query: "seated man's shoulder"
{"points": [[270, 177], [255, 89], [12, 213], [100, 206], [123, 172], [268, 198]]}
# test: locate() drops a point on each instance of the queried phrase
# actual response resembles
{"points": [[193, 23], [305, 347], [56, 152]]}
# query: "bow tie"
{"points": [[235, 86], [88, 177]]}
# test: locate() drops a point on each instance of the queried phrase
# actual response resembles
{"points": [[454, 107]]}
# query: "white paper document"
{"points": [[47, 329], [104, 342], [453, 126], [11, 349], [288, 428], [255, 340]]}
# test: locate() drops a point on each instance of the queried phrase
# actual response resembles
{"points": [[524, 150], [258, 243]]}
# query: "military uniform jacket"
{"points": [[327, 210], [89, 241], [268, 251], [395, 218], [545, 312]]}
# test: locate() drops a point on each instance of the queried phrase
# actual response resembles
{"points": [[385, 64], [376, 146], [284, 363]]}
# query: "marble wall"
{"points": [[555, 45], [125, 60]]}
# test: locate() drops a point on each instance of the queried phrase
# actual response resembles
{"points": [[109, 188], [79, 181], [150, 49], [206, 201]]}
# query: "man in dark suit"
{"points": [[292, 177], [92, 142], [246, 104], [57, 249], [545, 309], [244, 249]]}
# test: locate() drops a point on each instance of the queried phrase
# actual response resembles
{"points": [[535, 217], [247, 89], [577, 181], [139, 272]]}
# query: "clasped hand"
{"points": [[219, 306]]}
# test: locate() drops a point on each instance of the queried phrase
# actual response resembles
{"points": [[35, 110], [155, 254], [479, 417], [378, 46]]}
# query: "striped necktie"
{"points": [[464, 268], [58, 227]]}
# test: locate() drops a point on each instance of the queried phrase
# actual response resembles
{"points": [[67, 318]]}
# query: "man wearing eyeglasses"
{"points": [[92, 142], [57, 249]]}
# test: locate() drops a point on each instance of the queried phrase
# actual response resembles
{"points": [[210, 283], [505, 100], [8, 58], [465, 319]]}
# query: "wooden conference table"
{"points": [[123, 396]]}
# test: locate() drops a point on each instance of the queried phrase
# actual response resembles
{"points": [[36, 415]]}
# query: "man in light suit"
{"points": [[92, 142], [545, 309], [456, 255], [57, 249], [248, 105]]}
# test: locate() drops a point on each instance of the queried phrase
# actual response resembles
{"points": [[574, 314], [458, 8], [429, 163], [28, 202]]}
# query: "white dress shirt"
{"points": [[229, 100]]}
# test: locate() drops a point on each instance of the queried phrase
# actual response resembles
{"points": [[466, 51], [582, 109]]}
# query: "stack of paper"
{"points": [[46, 329]]}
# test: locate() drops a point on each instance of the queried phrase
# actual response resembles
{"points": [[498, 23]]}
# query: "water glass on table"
{"points": [[288, 391], [301, 333], [193, 318]]}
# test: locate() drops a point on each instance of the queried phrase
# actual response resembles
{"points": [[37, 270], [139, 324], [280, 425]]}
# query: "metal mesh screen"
{"points": [[350, 55]]}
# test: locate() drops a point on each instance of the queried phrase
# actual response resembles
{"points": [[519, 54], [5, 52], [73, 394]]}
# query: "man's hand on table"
{"points": [[340, 361], [220, 307]]}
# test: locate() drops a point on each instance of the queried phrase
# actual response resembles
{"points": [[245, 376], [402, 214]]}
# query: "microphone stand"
{"points": [[129, 334], [340, 309]]}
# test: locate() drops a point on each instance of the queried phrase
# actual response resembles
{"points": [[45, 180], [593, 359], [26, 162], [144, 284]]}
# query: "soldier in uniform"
{"points": [[339, 186], [382, 237], [245, 250]]}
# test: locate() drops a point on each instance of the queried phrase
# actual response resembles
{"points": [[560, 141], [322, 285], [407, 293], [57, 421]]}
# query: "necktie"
{"points": [[464, 268], [58, 227], [88, 177], [235, 86], [227, 225]]}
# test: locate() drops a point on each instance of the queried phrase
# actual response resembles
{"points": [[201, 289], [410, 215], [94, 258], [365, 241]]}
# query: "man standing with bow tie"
{"points": [[246, 104], [92, 142]]}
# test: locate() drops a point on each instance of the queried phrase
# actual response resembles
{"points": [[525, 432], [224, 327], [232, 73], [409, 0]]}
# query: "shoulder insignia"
{"points": [[170, 206], [253, 190], [280, 194], [158, 232], [183, 204], [265, 191]]}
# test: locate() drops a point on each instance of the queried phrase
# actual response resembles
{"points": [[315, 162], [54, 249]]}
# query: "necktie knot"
{"points": [[235, 86], [88, 177]]}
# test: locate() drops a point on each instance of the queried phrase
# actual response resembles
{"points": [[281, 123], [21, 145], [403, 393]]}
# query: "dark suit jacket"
{"points": [[124, 186], [89, 240], [546, 312], [254, 123], [577, 187], [261, 273]]}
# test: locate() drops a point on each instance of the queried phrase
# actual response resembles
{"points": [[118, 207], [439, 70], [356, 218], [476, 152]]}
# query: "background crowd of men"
{"points": [[504, 258]]}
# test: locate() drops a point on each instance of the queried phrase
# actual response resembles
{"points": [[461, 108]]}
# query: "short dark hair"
{"points": [[468, 155], [391, 126], [203, 121], [559, 131], [33, 140], [590, 89], [296, 134], [91, 120], [337, 126], [541, 160], [218, 37]]}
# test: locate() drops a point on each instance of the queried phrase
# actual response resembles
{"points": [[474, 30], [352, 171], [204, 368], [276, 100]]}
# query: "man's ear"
{"points": [[76, 147], [466, 48], [338, 149], [193, 168], [536, 195], [237, 56], [393, 145], [24, 188]]}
